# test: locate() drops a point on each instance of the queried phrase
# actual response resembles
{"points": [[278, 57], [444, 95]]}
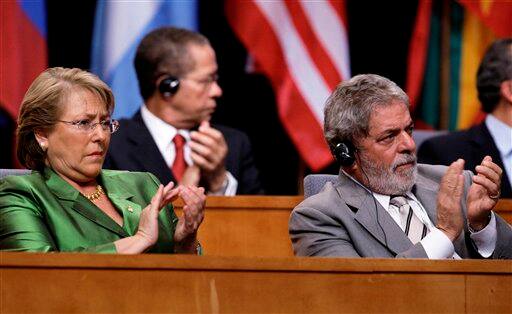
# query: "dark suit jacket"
{"points": [[345, 220], [43, 212], [133, 148], [472, 145]]}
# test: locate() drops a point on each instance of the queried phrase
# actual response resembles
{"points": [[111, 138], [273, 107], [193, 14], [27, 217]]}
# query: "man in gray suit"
{"points": [[384, 203]]}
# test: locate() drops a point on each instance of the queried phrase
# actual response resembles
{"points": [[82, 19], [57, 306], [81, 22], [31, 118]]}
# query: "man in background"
{"points": [[386, 205], [171, 135], [493, 137]]}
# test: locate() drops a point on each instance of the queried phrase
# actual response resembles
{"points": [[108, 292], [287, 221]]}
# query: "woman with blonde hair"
{"points": [[68, 203]]}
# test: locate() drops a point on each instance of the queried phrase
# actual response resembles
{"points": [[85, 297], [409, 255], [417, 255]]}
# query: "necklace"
{"points": [[96, 194]]}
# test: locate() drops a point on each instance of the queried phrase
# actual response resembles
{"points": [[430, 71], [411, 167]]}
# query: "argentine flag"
{"points": [[119, 26]]}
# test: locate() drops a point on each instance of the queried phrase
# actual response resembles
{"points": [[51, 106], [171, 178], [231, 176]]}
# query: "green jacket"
{"points": [[42, 212]]}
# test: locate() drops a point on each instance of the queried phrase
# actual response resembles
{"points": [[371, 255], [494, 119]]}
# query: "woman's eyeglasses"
{"points": [[87, 125]]}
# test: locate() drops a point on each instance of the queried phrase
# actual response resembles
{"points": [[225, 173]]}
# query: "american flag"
{"points": [[302, 47]]}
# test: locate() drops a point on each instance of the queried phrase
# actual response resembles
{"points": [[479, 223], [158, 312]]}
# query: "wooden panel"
{"points": [[53, 283], [247, 225], [481, 294], [504, 209], [258, 225]]}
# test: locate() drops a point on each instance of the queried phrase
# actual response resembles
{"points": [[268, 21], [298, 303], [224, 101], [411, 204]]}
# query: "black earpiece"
{"points": [[169, 86], [344, 152]]}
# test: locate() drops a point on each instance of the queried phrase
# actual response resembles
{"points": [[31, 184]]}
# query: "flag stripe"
{"points": [[456, 16], [418, 49], [123, 33], [299, 121], [323, 17], [305, 132], [119, 27], [476, 38], [23, 52], [36, 13], [494, 15], [473, 26], [430, 110], [339, 8], [314, 47], [305, 74]]}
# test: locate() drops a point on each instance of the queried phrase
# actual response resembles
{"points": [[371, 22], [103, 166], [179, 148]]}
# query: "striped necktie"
{"points": [[411, 224]]}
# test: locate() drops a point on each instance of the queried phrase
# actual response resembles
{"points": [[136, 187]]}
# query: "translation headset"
{"points": [[345, 153], [169, 86]]}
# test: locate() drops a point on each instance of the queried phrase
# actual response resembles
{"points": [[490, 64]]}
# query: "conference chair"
{"points": [[13, 172], [314, 183]]}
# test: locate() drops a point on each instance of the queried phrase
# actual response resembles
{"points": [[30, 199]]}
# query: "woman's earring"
{"points": [[43, 146]]}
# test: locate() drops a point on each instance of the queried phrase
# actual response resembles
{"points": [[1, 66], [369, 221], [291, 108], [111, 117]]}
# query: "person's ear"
{"points": [[42, 139], [506, 90]]}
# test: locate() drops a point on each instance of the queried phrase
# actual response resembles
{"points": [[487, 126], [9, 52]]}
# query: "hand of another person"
{"points": [[191, 176], [148, 222], [483, 193], [449, 215], [193, 214], [209, 150]]}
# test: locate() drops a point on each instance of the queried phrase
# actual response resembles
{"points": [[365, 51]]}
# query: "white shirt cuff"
{"points": [[437, 245], [485, 239], [229, 187], [232, 185]]}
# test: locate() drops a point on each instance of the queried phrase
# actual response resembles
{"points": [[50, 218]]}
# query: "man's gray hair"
{"points": [[348, 109]]}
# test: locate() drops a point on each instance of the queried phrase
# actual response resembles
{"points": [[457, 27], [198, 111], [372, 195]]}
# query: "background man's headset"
{"points": [[169, 86], [345, 154]]}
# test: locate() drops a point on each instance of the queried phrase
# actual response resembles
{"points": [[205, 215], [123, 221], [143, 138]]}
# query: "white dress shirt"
{"points": [[437, 245], [502, 136], [163, 134]]}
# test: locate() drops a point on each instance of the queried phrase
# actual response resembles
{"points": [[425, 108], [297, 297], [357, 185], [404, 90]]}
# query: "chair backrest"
{"points": [[419, 136], [314, 183], [13, 172]]}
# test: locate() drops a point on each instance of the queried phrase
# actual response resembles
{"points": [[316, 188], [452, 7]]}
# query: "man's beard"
{"points": [[389, 181]]}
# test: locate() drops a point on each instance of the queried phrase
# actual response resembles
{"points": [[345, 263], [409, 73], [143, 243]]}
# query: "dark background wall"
{"points": [[379, 33]]}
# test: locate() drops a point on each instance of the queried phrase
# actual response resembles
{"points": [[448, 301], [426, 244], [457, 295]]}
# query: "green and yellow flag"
{"points": [[447, 45]]}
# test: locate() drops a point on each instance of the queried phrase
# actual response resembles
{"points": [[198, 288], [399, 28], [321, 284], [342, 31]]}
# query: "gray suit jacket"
{"points": [[345, 220]]}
